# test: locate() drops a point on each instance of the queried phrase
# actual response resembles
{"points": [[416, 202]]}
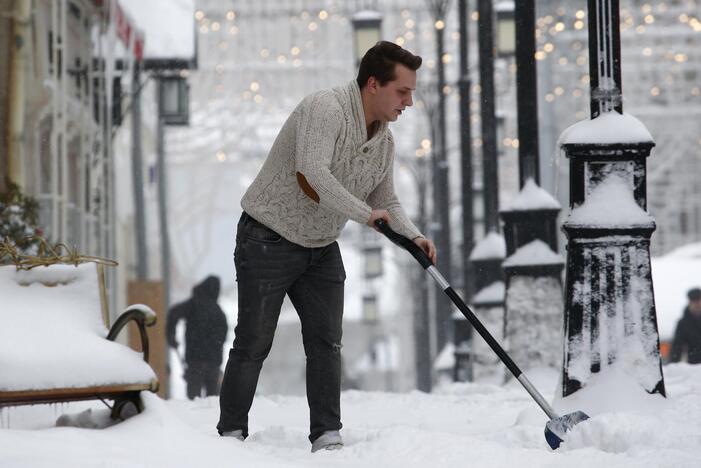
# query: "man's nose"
{"points": [[409, 101]]}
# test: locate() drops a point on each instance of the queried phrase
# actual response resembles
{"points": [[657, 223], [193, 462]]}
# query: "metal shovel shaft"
{"points": [[492, 342]]}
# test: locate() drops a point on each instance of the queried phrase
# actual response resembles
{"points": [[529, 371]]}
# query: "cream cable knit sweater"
{"points": [[325, 138]]}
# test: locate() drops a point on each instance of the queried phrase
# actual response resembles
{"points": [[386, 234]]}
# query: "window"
{"points": [[373, 262], [370, 313]]}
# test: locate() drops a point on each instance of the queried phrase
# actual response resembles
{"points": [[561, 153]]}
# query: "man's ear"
{"points": [[373, 84]]}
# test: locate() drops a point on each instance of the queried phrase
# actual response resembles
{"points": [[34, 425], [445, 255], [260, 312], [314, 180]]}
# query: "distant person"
{"points": [[687, 338], [205, 334], [331, 162]]}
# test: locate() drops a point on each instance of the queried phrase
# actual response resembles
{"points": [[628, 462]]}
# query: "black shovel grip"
{"points": [[402, 241]]}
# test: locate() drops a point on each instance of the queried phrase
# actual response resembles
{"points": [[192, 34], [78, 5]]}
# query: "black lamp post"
{"points": [[610, 314], [441, 200], [527, 93], [490, 176], [462, 330]]}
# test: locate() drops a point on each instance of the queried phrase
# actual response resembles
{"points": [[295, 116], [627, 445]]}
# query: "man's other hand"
{"points": [[428, 247]]}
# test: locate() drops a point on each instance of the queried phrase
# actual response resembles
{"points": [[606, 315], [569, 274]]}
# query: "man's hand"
{"points": [[375, 215], [428, 247]]}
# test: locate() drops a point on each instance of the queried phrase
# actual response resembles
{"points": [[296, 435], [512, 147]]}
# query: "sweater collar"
{"points": [[359, 115]]}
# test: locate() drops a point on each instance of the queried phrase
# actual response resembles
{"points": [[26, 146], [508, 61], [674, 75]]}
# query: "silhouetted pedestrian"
{"points": [[687, 338], [205, 333]]}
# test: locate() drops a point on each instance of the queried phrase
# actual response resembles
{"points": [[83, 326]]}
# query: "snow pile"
{"points": [[610, 390], [607, 128], [532, 197], [52, 334], [609, 205]]}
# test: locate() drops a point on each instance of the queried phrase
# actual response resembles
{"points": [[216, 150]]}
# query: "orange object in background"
{"points": [[665, 347]]}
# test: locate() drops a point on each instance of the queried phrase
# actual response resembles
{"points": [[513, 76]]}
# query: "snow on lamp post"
{"points": [[610, 322]]}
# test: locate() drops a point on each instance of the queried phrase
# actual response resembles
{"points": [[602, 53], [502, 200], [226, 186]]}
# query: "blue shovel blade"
{"points": [[556, 428]]}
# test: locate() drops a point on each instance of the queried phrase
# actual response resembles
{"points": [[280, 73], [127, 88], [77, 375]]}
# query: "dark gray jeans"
{"points": [[267, 267]]}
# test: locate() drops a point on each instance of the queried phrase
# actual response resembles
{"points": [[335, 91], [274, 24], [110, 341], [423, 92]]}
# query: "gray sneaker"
{"points": [[329, 440], [237, 434]]}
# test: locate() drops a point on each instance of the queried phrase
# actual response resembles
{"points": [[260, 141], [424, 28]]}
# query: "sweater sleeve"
{"points": [[385, 198], [318, 127]]}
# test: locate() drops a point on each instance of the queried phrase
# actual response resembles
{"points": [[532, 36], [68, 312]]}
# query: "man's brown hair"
{"points": [[380, 60]]}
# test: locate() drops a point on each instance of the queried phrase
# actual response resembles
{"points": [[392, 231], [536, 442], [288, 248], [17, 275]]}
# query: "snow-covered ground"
{"points": [[460, 425]]}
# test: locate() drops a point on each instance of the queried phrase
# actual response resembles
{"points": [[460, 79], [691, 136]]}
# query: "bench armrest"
{"points": [[144, 317]]}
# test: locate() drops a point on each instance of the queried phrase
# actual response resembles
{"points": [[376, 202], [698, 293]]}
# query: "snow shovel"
{"points": [[556, 428]]}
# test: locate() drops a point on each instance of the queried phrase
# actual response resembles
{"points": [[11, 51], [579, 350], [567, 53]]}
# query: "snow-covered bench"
{"points": [[56, 344]]}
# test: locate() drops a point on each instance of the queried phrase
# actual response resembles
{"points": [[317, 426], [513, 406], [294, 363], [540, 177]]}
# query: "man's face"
{"points": [[391, 99]]}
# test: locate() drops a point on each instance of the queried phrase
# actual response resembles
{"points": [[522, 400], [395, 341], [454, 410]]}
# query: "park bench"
{"points": [[56, 342]]}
